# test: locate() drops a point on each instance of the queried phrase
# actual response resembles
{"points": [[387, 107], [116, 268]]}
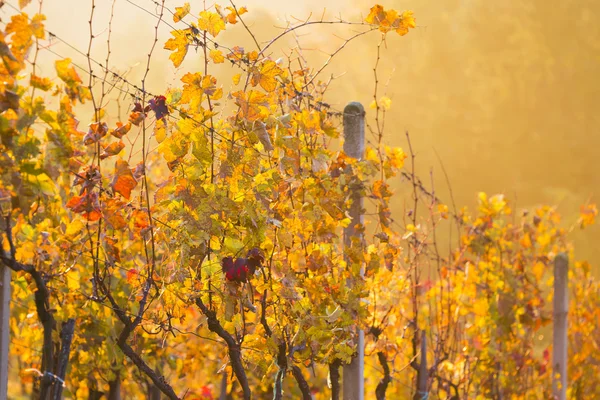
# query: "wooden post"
{"points": [[423, 372], [4, 328], [354, 146], [561, 309], [5, 206]]}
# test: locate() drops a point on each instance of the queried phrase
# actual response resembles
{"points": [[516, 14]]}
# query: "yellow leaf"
{"points": [[175, 146], [233, 245], [73, 278], [538, 270], [407, 21], [265, 75], [385, 102], [21, 34], [179, 43], [38, 82], [236, 78], [66, 72], [388, 20], [160, 133], [211, 22], [376, 16], [181, 12], [443, 210], [481, 307], [232, 16], [544, 239], [74, 228], [215, 243], [497, 203], [250, 103], [37, 27], [526, 241], [217, 56], [371, 155], [482, 197], [396, 156], [23, 3]]}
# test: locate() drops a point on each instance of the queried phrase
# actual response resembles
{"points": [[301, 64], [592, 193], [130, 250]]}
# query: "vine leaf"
{"points": [[265, 76], [112, 149], [211, 22], [123, 180], [181, 12], [179, 43]]}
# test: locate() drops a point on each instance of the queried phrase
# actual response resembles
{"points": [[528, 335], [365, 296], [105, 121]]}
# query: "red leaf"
{"points": [[242, 268], [159, 107], [206, 392]]}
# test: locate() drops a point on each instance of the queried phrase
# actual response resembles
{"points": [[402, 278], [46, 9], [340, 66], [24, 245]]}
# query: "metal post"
{"points": [[561, 309], [354, 146]]}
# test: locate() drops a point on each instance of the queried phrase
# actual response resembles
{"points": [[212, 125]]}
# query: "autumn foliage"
{"points": [[197, 243]]}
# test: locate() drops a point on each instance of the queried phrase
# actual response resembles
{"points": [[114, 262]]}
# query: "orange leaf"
{"points": [[112, 251], [113, 213], [112, 149], [136, 117], [587, 215], [87, 204], [123, 181], [381, 190], [121, 130], [132, 273], [95, 133], [140, 219]]}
